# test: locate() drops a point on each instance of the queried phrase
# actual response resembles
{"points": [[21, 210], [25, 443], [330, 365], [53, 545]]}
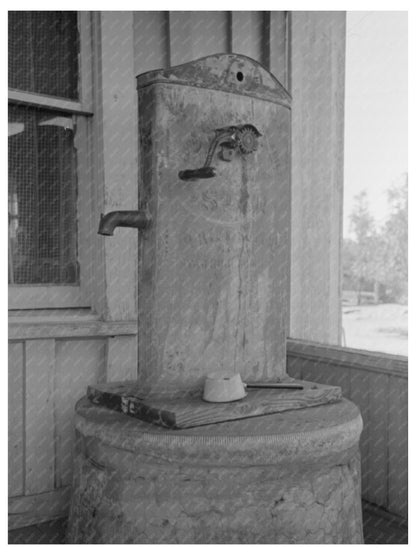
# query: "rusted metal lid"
{"points": [[232, 73]]}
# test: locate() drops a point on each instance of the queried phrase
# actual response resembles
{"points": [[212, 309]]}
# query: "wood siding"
{"points": [[46, 378], [378, 385]]}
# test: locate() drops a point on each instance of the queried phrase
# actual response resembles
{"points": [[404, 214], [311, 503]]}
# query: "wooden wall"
{"points": [[47, 375], [378, 385], [317, 87]]}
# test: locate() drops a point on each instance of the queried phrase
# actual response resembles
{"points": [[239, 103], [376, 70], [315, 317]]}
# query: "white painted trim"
{"points": [[44, 296], [51, 102], [85, 85], [70, 329]]}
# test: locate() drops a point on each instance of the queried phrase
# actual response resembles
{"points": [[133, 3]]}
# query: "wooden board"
{"points": [[39, 416], [16, 422], [191, 412]]}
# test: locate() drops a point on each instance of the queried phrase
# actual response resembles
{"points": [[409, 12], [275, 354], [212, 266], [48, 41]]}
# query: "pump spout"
{"points": [[140, 219]]}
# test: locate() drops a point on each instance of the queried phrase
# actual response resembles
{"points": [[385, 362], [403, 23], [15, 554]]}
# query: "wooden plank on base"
{"points": [[193, 411]]}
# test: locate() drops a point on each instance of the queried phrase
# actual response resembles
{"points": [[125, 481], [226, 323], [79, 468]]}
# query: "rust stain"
{"points": [[244, 195]]}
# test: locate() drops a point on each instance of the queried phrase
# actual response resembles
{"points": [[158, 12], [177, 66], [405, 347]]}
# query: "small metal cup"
{"points": [[223, 389]]}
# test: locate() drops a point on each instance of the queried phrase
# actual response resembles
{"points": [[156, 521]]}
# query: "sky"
{"points": [[375, 108]]}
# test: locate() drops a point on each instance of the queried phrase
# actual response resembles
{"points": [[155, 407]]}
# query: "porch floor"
{"points": [[379, 528]]}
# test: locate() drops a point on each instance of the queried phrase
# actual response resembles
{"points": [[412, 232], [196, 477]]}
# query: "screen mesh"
{"points": [[43, 53], [42, 197]]}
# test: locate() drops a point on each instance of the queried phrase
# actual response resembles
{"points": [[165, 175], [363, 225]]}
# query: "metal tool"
{"points": [[261, 385]]}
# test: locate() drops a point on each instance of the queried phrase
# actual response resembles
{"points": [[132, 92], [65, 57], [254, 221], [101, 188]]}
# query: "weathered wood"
{"points": [[16, 419], [48, 296], [118, 149], [346, 357], [70, 329], [317, 85], [151, 40], [319, 369], [360, 395], [313, 372], [378, 415], [293, 368], [277, 43], [187, 413], [86, 217], [121, 358], [194, 34], [39, 415], [248, 34], [377, 383], [86, 54], [398, 446], [34, 509], [78, 363], [61, 104]]}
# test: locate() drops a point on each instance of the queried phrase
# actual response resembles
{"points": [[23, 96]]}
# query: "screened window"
{"points": [[46, 140], [43, 53], [42, 197]]}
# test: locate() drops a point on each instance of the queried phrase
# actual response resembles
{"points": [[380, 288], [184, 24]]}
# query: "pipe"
{"points": [[140, 219]]}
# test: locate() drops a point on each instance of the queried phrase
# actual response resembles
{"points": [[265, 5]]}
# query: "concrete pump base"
{"points": [[292, 477]]}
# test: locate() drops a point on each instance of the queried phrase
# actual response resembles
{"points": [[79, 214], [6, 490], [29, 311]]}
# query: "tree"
{"points": [[379, 256], [363, 227], [395, 236]]}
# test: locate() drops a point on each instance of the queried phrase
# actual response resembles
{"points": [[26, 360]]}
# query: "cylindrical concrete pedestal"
{"points": [[292, 477]]}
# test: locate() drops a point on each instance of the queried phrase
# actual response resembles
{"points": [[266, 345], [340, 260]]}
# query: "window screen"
{"points": [[42, 197], [43, 59], [43, 53]]}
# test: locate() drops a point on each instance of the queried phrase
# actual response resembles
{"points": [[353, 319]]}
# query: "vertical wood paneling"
{"points": [[359, 394], [197, 34], [171, 38], [398, 446], [320, 372], [276, 46], [121, 358], [151, 41], [247, 34], [40, 437], [16, 419], [313, 372], [378, 414], [294, 368], [78, 363], [338, 376], [383, 403]]}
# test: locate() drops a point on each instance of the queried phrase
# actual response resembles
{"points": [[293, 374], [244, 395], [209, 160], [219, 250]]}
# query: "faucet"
{"points": [[140, 219], [242, 137]]}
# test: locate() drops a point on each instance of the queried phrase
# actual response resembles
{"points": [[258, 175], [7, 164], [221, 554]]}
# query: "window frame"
{"points": [[33, 296]]}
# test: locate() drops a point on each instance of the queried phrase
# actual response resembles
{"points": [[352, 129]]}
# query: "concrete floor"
{"points": [[379, 528]]}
